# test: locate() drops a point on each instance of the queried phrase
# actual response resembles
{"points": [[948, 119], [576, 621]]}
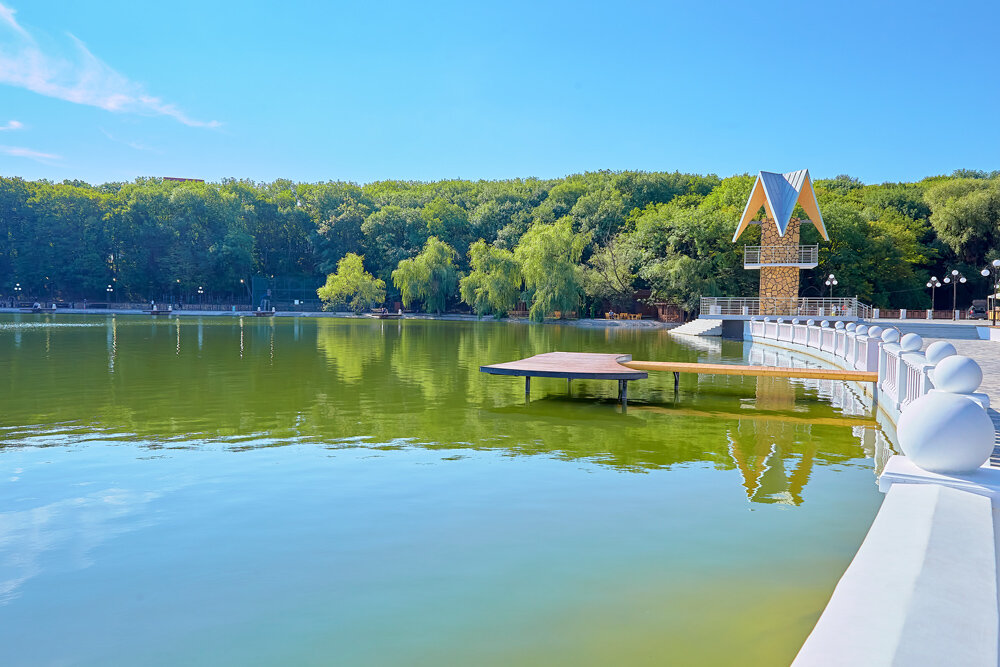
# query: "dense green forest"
{"points": [[583, 241]]}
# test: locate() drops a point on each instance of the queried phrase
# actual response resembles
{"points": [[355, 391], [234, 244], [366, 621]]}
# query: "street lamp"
{"points": [[830, 282], [249, 294], [933, 283], [201, 291], [17, 291], [110, 290], [994, 268], [954, 279]]}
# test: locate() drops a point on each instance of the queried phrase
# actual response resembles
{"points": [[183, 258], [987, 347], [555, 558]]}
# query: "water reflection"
{"points": [[266, 382], [226, 490]]}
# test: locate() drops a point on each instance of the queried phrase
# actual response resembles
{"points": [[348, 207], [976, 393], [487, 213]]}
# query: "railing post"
{"points": [[909, 343]]}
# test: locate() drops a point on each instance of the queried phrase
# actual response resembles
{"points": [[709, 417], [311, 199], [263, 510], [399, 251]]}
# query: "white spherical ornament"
{"points": [[938, 350], [851, 326], [810, 323], [795, 320], [861, 330], [890, 336], [946, 433], [767, 319], [838, 325], [957, 374], [781, 320], [911, 342], [825, 324], [874, 332]]}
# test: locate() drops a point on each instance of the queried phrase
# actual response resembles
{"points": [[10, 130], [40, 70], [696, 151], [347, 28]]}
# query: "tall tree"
{"points": [[352, 286], [966, 215], [494, 284], [549, 256], [430, 277], [612, 271]]}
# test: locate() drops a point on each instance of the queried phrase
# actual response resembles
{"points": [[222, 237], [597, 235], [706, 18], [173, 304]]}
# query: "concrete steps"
{"points": [[700, 327]]}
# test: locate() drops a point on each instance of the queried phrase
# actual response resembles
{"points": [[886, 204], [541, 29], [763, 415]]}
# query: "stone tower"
{"points": [[779, 257]]}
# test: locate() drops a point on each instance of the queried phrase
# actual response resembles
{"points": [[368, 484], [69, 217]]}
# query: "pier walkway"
{"points": [[582, 365]]}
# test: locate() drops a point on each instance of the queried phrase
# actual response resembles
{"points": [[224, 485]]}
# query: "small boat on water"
{"points": [[263, 313], [385, 316]]}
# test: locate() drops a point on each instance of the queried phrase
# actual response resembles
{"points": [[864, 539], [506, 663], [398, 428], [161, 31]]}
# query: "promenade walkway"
{"points": [[950, 329]]}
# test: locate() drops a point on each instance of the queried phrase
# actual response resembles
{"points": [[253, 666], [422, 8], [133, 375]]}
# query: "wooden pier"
{"points": [[582, 365]]}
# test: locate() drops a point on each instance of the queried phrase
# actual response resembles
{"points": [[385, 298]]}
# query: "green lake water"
{"points": [[287, 491]]}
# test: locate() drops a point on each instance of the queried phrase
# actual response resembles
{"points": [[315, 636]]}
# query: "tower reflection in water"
{"points": [[775, 456]]}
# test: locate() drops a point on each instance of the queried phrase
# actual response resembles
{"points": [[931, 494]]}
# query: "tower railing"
{"points": [[781, 255]]}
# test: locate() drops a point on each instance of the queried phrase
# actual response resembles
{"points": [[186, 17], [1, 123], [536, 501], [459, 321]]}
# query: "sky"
{"points": [[112, 90]]}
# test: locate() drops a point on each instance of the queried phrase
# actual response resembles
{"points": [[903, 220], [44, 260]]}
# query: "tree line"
{"points": [[578, 243]]}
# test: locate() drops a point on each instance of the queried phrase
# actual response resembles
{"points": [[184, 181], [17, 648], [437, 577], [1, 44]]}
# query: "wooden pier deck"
{"points": [[582, 365], [756, 371]]}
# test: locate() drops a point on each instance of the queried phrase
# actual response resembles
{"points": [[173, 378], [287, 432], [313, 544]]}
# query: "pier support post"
{"points": [[677, 380], [527, 387], [623, 392]]}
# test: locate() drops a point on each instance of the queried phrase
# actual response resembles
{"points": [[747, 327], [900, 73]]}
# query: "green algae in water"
{"points": [[319, 491]]}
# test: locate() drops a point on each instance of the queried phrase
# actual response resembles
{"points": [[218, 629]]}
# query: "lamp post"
{"points": [[994, 268], [110, 290], [831, 280], [933, 283], [17, 291], [954, 279], [249, 295], [201, 300]]}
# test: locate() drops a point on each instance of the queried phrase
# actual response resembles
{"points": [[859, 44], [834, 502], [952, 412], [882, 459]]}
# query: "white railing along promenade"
{"points": [[929, 559], [714, 306], [779, 255], [904, 371]]}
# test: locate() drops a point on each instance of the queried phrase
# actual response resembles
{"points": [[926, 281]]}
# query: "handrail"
{"points": [[850, 307], [781, 254]]}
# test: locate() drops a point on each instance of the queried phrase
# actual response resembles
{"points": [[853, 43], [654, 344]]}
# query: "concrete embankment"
{"points": [[923, 587]]}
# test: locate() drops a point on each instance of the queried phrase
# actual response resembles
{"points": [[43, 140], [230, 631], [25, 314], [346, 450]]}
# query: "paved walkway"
{"points": [[961, 329]]}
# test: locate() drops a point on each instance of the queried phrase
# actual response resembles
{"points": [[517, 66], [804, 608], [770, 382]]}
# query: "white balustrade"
{"points": [[904, 372]]}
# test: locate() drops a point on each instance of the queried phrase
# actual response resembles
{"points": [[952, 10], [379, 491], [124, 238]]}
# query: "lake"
{"points": [[264, 491]]}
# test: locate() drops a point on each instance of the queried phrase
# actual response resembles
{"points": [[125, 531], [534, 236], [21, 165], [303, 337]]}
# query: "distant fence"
{"points": [[712, 306]]}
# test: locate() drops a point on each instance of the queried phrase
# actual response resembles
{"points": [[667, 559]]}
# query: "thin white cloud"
{"points": [[131, 144], [82, 78], [11, 125], [7, 16], [37, 156]]}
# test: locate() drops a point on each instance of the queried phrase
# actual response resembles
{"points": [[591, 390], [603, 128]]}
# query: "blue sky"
{"points": [[315, 91]]}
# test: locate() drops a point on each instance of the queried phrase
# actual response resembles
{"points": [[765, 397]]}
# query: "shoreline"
{"points": [[588, 323]]}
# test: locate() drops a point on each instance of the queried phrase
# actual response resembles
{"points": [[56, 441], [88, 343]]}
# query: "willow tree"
{"points": [[352, 286], [494, 284], [430, 277], [549, 256]]}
